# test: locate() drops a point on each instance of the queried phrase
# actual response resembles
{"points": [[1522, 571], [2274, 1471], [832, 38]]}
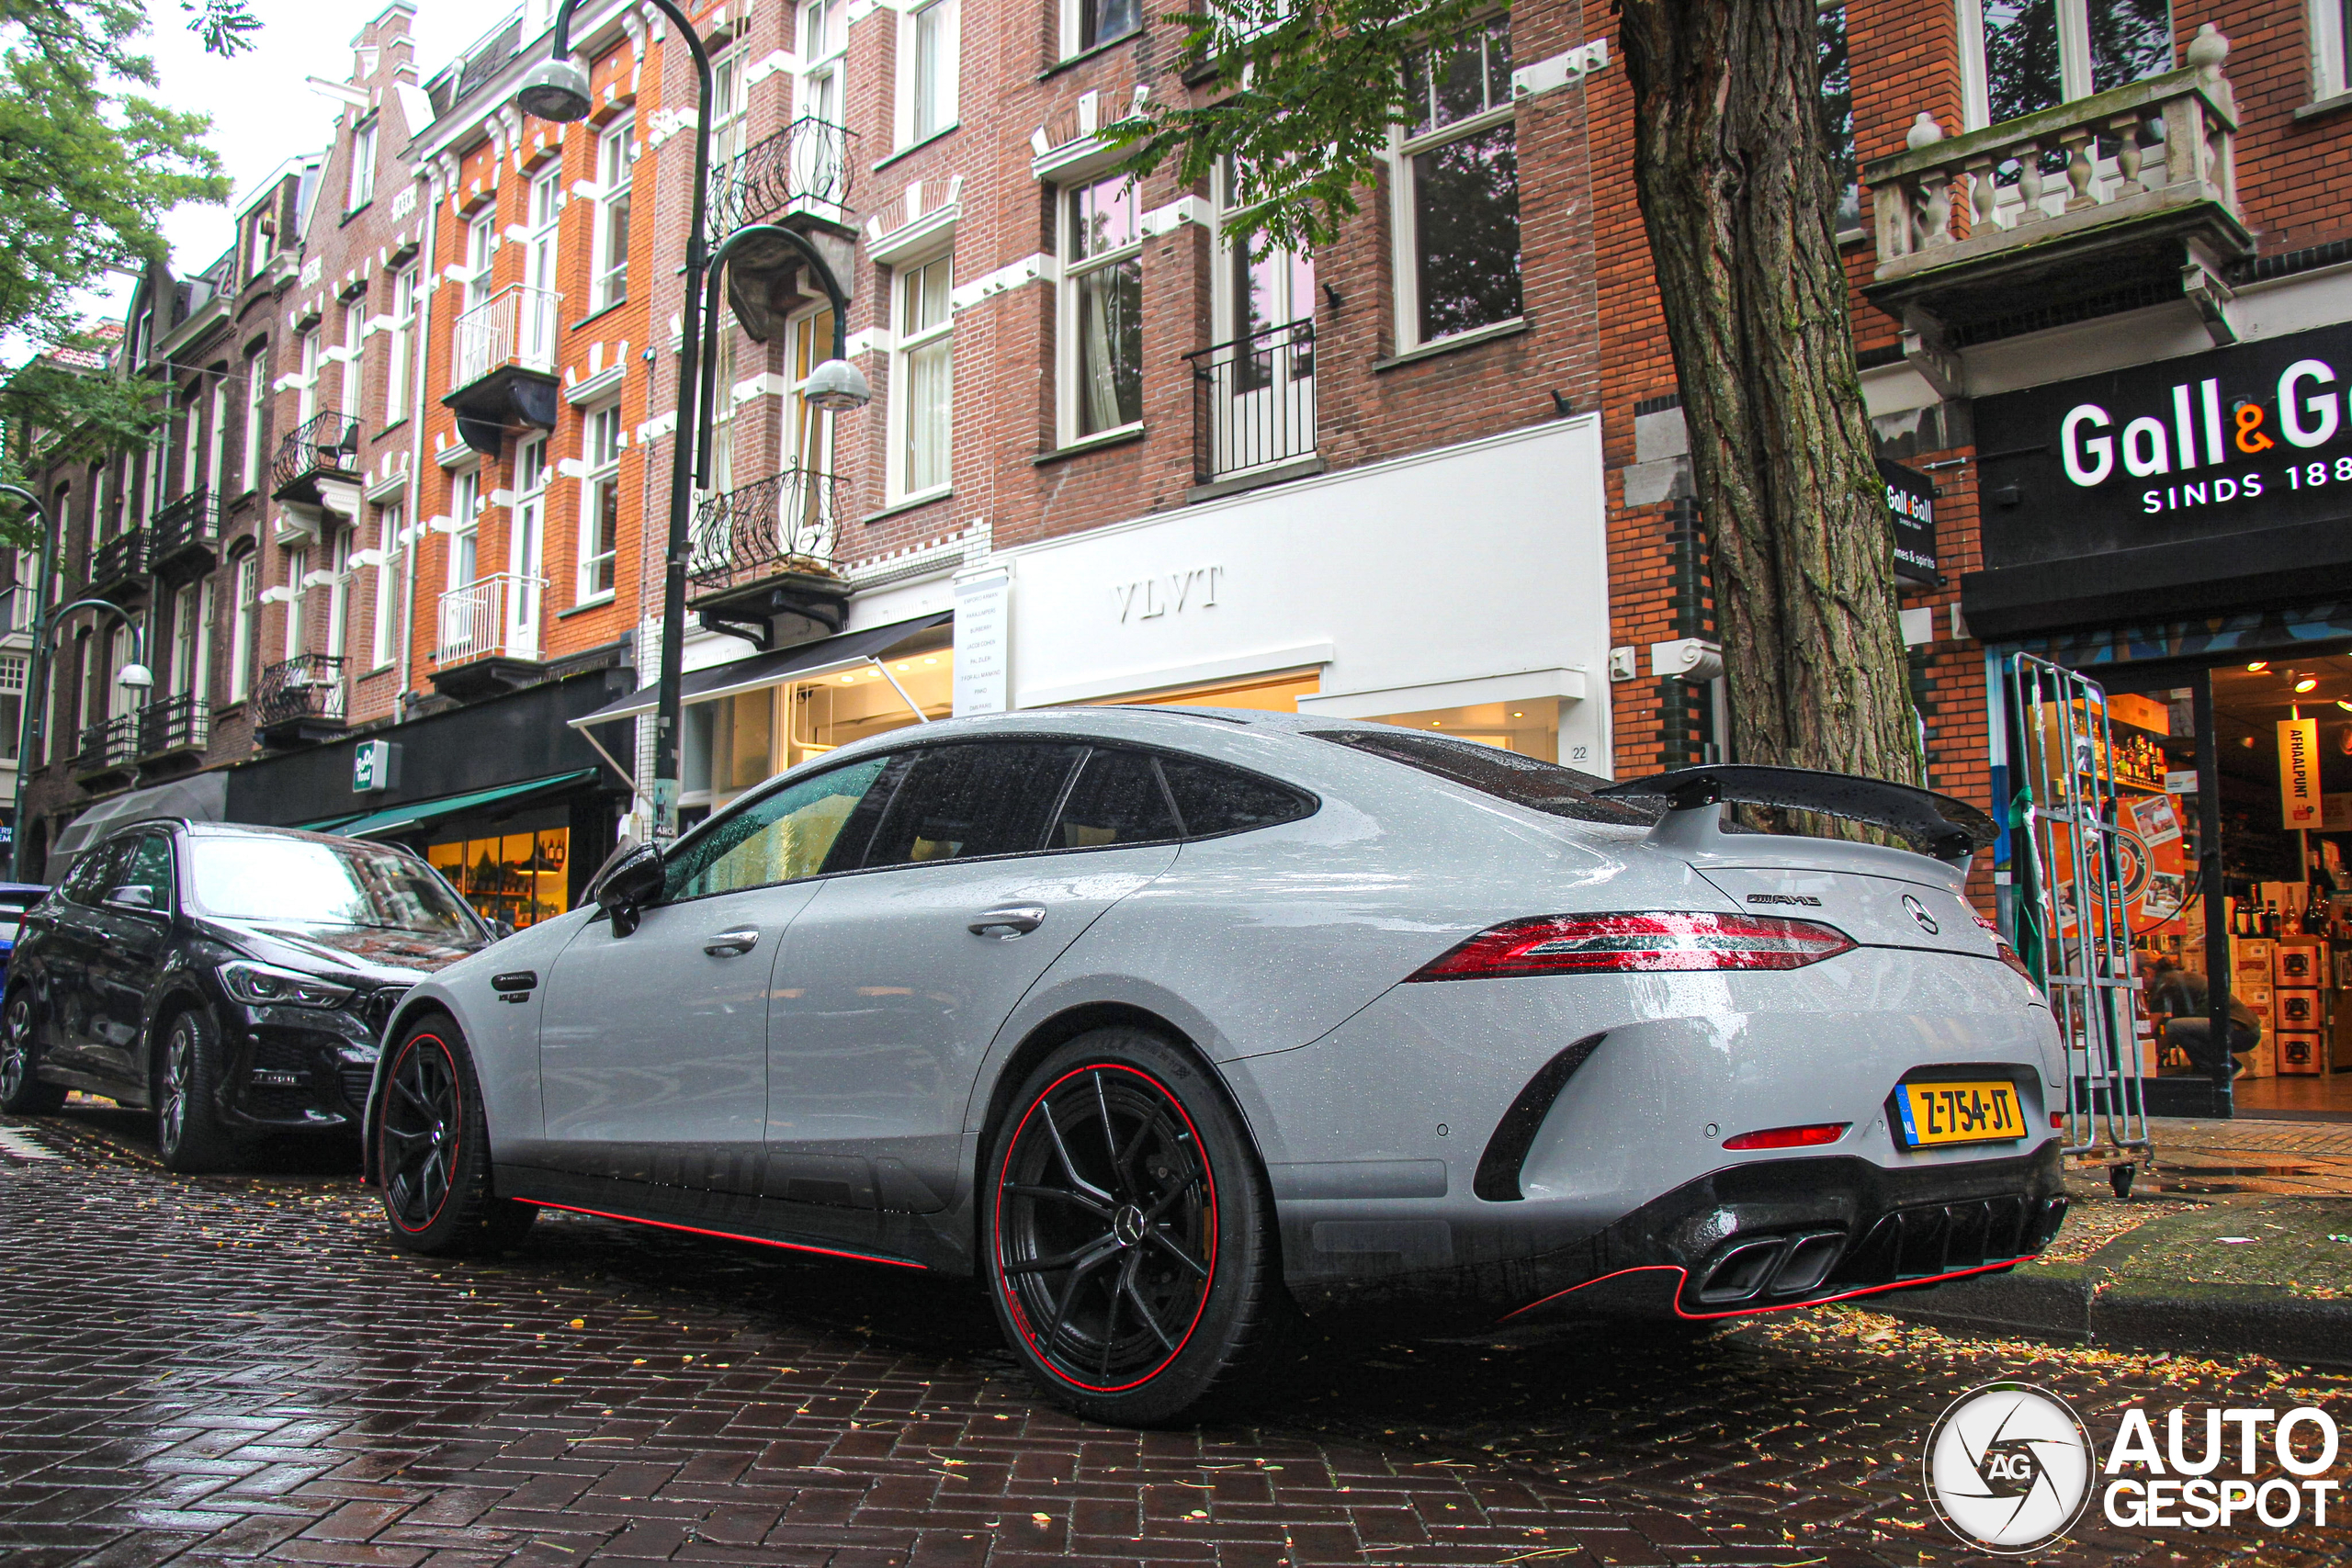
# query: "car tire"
{"points": [[1122, 1160], [22, 1093], [433, 1151], [189, 1136]]}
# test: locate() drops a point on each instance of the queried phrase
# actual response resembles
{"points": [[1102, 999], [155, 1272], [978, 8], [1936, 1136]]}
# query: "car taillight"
{"points": [[1790, 1137], [1644, 943], [2009, 956]]}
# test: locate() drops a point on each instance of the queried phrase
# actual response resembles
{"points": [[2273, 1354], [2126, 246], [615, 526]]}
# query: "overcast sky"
{"points": [[262, 110]]}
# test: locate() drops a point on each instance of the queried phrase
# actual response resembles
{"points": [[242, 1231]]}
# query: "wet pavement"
{"points": [[233, 1369]]}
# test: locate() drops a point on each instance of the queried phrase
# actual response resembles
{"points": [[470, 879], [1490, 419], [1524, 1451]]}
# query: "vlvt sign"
{"points": [[1148, 598]]}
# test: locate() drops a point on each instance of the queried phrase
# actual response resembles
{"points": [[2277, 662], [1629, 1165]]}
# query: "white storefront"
{"points": [[1464, 591]]}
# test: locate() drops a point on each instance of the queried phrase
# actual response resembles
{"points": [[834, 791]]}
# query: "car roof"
{"points": [[245, 831]]}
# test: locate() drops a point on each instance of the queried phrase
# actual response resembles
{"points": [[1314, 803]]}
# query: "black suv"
{"points": [[233, 979]]}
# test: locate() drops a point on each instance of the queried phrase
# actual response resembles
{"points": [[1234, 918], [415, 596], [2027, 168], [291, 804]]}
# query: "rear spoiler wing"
{"points": [[1949, 830]]}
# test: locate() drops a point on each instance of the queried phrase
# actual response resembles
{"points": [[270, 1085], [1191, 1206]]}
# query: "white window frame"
{"points": [[1066, 422], [731, 99], [616, 177], [338, 592], [482, 243], [399, 345], [1405, 261], [354, 349], [362, 189], [256, 402], [822, 59], [904, 345], [297, 566], [181, 677], [466, 501], [306, 395], [382, 649], [191, 444], [1074, 41], [943, 19], [245, 578], [2331, 72], [216, 440], [2074, 58], [201, 678], [600, 467]]}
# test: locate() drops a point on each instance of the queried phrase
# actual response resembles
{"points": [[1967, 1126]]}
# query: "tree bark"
{"points": [[1737, 196]]}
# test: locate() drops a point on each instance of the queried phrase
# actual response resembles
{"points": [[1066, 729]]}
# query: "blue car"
{"points": [[16, 898]]}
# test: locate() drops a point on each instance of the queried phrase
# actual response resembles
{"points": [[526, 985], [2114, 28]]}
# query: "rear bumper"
{"points": [[1759, 1237]]}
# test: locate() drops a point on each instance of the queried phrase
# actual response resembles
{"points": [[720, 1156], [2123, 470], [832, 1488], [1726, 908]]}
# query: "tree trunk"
{"points": [[1737, 196]]}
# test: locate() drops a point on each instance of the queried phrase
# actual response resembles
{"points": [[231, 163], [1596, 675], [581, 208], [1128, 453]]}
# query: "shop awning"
{"points": [[803, 661], [424, 813]]}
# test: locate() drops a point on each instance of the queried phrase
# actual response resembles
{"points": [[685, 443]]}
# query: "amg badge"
{"points": [[1806, 900]]}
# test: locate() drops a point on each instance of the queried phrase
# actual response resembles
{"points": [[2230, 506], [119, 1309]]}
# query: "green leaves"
{"points": [[1300, 95], [225, 26]]}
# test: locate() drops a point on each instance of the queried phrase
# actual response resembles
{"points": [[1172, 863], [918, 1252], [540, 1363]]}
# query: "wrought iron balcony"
{"points": [[300, 699], [804, 167], [491, 617], [1253, 401], [114, 564], [324, 446], [766, 550], [778, 526], [185, 533], [2130, 191], [107, 745], [182, 723]]}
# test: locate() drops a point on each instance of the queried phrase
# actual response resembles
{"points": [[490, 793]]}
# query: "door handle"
{"points": [[1013, 920], [728, 945]]}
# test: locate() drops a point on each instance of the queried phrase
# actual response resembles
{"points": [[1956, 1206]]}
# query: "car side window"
{"points": [[93, 874], [980, 798], [148, 867], [1212, 798], [778, 837], [1118, 799]]}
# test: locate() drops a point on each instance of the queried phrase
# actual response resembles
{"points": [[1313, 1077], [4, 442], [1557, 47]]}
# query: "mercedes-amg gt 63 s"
{"points": [[1164, 1021]]}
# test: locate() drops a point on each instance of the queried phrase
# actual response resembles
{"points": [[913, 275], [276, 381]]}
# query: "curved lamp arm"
{"points": [[707, 398]]}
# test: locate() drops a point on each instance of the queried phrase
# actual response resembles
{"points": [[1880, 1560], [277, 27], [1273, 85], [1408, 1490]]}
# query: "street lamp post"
{"points": [[836, 386], [557, 89], [134, 676]]}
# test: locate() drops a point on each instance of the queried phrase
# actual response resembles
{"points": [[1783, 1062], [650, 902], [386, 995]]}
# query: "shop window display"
{"points": [[518, 878]]}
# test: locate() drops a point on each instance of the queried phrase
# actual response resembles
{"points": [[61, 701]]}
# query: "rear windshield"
{"points": [[1523, 780], [305, 882]]}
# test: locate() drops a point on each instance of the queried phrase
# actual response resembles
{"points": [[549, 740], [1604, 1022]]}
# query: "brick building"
{"points": [[1434, 474]]}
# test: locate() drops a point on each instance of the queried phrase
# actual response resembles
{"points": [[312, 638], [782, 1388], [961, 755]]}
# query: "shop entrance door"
{"points": [[2067, 877]]}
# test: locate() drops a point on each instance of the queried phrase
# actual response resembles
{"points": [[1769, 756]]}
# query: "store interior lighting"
{"points": [[2307, 684], [2258, 667]]}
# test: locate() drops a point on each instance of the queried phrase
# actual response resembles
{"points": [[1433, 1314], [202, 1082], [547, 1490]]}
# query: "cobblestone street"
{"points": [[241, 1369]]}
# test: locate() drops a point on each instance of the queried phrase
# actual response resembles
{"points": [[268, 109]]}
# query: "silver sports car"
{"points": [[1165, 1020]]}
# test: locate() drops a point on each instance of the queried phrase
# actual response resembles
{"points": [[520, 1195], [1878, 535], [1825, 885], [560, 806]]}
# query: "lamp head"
{"points": [[837, 385], [134, 678], [555, 89]]}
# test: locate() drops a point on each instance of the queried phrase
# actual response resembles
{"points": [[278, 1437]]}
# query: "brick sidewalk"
{"points": [[221, 1370]]}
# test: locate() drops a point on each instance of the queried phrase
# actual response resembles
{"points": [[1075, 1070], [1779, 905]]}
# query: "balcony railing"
{"points": [[805, 162], [326, 444], [1253, 400], [118, 560], [779, 526], [516, 326], [182, 723], [189, 526], [308, 686], [2161, 148], [491, 617], [111, 743]]}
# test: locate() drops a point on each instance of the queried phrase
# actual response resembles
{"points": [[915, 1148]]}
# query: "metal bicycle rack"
{"points": [[2066, 835]]}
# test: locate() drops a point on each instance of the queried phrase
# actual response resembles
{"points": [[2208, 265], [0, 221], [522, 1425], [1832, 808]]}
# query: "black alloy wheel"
{"points": [[1130, 1250], [433, 1151], [188, 1131], [21, 1090]]}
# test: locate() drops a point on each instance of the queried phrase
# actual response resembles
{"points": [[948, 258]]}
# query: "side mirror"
{"points": [[631, 881], [133, 898]]}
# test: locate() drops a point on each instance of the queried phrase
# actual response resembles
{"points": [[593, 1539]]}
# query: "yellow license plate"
{"points": [[1960, 1113]]}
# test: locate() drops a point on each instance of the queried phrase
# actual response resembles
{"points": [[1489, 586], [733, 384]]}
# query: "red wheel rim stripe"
{"points": [[456, 1144], [1004, 1286]]}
